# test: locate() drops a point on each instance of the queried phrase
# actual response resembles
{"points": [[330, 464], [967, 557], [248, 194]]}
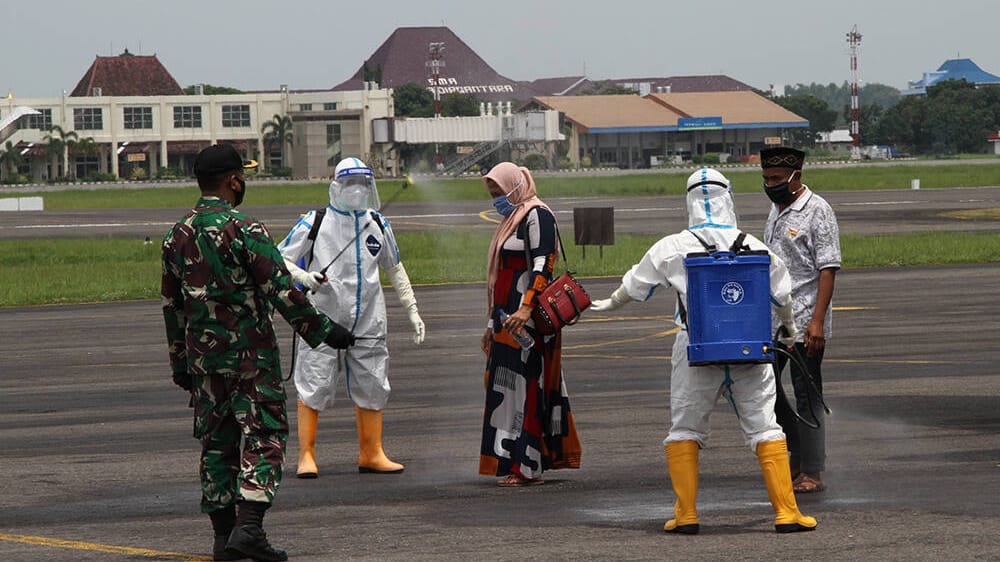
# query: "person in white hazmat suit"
{"points": [[342, 258], [694, 390]]}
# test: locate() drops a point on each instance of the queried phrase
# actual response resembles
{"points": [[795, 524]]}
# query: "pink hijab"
{"points": [[517, 183]]}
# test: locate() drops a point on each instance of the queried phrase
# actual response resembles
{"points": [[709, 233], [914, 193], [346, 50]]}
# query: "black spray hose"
{"points": [[800, 362]]}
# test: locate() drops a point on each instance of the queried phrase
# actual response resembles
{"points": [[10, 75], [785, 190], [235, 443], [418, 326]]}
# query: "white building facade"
{"points": [[155, 132]]}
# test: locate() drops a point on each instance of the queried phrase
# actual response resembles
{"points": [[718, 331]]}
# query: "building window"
{"points": [[88, 119], [330, 106], [138, 117], [236, 116], [187, 117], [305, 107], [42, 122], [333, 145]]}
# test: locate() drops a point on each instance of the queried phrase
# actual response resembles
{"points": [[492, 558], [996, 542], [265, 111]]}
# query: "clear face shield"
{"points": [[354, 193]]}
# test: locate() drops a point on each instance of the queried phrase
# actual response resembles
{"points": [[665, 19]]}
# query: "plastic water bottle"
{"points": [[524, 338]]}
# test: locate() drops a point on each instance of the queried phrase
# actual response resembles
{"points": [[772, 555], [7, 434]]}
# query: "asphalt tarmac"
{"points": [[99, 463]]}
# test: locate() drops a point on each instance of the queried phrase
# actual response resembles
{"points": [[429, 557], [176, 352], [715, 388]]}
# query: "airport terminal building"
{"points": [[132, 119]]}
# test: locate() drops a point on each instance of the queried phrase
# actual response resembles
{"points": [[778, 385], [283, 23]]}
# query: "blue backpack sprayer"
{"points": [[729, 307]]}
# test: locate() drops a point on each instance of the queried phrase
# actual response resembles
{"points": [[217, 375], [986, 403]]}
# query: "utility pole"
{"points": [[854, 40], [435, 63]]}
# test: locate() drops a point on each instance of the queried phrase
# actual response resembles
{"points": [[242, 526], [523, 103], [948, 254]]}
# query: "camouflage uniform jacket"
{"points": [[222, 275]]}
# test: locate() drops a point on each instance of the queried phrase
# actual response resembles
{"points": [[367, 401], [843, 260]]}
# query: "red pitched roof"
{"points": [[127, 75], [402, 59]]}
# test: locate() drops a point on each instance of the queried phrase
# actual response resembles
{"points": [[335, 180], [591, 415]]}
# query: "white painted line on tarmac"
{"points": [[93, 225], [880, 203]]}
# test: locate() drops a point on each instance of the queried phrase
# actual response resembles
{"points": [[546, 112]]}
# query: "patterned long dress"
{"points": [[527, 426]]}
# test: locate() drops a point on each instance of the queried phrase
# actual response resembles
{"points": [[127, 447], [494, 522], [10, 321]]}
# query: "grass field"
{"points": [[107, 269], [435, 189], [44, 271]]}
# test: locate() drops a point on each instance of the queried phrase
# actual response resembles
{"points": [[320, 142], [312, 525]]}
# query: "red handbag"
{"points": [[561, 302]]}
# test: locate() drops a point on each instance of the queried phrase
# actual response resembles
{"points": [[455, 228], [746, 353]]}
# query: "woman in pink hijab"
{"points": [[527, 426]]}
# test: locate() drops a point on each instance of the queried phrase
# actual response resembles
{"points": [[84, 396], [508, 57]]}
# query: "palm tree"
{"points": [[85, 146], [278, 129], [60, 142], [10, 159]]}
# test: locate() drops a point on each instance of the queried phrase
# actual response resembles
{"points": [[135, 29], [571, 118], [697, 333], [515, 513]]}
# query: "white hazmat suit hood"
{"points": [[710, 200], [353, 187]]}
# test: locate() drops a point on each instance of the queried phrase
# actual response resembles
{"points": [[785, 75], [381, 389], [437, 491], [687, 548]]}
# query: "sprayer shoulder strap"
{"points": [[710, 248], [314, 231], [522, 233], [736, 248], [375, 216]]}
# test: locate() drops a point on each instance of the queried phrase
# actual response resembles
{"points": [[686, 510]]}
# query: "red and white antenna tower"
{"points": [[854, 40], [435, 49]]}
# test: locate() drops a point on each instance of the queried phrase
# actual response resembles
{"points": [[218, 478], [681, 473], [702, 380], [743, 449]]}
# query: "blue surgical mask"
{"points": [[503, 205]]}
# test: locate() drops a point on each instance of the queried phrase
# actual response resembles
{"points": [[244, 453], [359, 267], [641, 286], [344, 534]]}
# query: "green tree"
{"points": [[413, 100], [873, 94], [278, 130], [60, 142], [957, 117], [904, 125], [372, 75], [821, 117], [210, 90], [10, 160], [460, 105], [607, 88]]}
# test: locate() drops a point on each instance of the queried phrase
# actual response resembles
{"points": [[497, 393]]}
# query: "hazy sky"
{"points": [[47, 45]]}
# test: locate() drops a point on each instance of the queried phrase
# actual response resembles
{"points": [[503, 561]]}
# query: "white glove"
{"points": [[617, 300], [788, 333], [418, 324], [311, 280], [787, 339], [401, 282]]}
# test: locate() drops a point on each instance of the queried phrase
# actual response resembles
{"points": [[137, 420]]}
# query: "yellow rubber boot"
{"points": [[682, 462], [308, 423], [773, 458], [371, 457]]}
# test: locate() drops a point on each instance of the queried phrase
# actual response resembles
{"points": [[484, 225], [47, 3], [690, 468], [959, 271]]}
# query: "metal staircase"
{"points": [[466, 161]]}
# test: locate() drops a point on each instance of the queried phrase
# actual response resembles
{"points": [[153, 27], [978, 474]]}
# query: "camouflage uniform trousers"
{"points": [[230, 407]]}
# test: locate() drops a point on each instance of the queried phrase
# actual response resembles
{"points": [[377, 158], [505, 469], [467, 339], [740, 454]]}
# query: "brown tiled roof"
{"points": [[127, 75], [403, 58], [610, 112], [733, 107]]}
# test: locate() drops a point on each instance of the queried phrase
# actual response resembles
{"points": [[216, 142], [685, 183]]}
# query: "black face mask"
{"points": [[779, 194], [241, 193]]}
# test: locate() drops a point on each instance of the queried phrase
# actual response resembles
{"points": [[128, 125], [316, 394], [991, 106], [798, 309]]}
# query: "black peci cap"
{"points": [[219, 159], [782, 157]]}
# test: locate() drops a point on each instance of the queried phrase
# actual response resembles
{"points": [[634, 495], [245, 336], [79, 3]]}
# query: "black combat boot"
{"points": [[223, 521], [248, 538]]}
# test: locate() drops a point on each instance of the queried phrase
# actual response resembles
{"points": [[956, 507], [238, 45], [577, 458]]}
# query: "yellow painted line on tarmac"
{"points": [[893, 361], [851, 308], [106, 548], [621, 341]]}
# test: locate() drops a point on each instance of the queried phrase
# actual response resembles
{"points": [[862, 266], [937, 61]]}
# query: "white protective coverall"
{"points": [[352, 296], [694, 390]]}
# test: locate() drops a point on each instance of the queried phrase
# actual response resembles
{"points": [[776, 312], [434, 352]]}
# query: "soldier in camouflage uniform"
{"points": [[222, 278]]}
